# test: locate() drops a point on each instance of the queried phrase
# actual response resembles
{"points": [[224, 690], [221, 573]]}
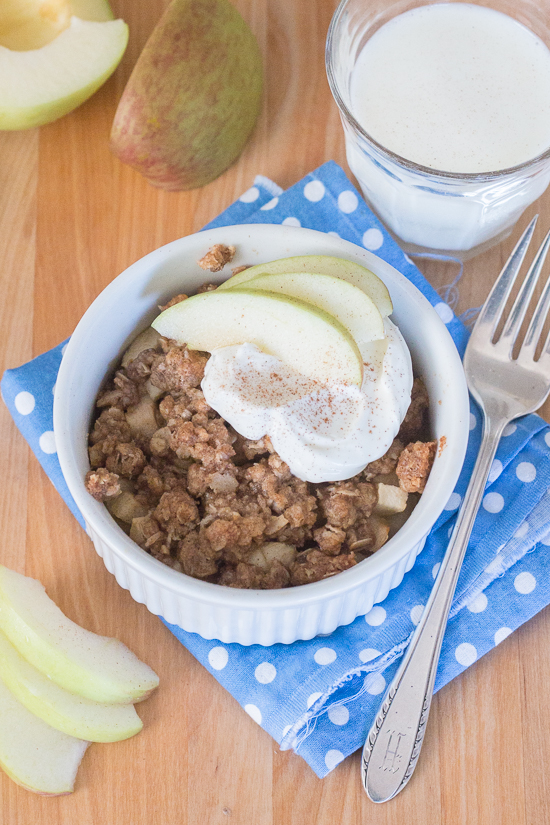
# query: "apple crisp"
{"points": [[197, 496]]}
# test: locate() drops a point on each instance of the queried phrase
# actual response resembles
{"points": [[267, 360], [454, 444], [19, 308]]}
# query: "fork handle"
{"points": [[395, 739]]}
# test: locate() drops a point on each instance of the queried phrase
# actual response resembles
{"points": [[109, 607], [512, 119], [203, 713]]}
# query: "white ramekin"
{"points": [[248, 617]]}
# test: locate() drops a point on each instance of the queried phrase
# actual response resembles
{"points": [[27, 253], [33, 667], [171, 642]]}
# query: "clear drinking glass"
{"points": [[431, 211]]}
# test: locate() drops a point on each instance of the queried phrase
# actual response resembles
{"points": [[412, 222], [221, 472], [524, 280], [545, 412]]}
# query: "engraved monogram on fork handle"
{"points": [[505, 388]]}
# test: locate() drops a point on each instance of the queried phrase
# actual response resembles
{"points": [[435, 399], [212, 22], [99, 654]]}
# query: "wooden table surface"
{"points": [[71, 218]]}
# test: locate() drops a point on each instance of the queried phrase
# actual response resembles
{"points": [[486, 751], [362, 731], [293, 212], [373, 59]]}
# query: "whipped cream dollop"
{"points": [[324, 433]]}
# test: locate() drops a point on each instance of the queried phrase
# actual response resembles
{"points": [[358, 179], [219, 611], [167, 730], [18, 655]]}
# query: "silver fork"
{"points": [[505, 388]]}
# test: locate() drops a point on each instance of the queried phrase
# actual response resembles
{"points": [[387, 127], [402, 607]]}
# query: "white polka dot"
{"points": [[509, 430], [47, 442], [435, 569], [375, 616], [473, 421], [333, 758], [522, 530], [373, 239], [347, 201], [493, 502], [495, 471], [454, 501], [254, 712], [218, 657], [286, 729], [314, 191], [547, 439], [416, 613], [24, 402], [478, 604], [325, 656], [270, 204], [291, 222], [338, 715], [375, 684], [545, 540], [333, 234], [501, 634], [265, 673], [250, 195], [525, 583], [526, 472], [313, 698], [368, 654], [409, 260], [465, 654], [445, 312]]}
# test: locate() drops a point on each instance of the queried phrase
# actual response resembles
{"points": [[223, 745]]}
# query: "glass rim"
{"points": [[469, 177]]}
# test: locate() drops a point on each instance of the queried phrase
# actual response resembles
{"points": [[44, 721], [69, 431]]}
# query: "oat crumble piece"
{"points": [[217, 257], [414, 465], [177, 299], [102, 484]]}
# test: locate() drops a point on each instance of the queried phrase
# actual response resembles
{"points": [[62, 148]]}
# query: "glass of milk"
{"points": [[446, 113]]}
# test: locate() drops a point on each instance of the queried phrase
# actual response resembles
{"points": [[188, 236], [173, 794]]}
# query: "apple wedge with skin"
{"points": [[42, 85], [32, 753], [304, 337], [349, 305], [353, 273], [96, 667], [67, 712]]}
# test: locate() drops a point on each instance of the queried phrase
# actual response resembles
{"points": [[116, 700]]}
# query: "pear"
{"points": [[43, 84], [349, 271], [96, 667], [304, 337], [193, 97], [30, 24], [32, 753], [349, 305]]}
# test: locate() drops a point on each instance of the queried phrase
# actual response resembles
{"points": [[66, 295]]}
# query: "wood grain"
{"points": [[71, 218]]}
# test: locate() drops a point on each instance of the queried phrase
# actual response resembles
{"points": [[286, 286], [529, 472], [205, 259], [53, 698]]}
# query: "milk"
{"points": [[455, 88]]}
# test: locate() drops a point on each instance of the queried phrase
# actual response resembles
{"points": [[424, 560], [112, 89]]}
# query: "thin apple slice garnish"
{"points": [[302, 336], [32, 753], [67, 712], [41, 85], [82, 662], [347, 303], [353, 273]]}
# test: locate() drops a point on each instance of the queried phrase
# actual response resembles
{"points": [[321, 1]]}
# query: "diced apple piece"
{"points": [[345, 302], [34, 754], [349, 271], [142, 418], [97, 667], [126, 507], [381, 531], [74, 715], [42, 85], [148, 339], [273, 551], [304, 337], [391, 500]]}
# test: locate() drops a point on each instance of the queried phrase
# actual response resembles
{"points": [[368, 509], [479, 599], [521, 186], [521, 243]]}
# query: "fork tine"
{"points": [[521, 304], [539, 317], [489, 316]]}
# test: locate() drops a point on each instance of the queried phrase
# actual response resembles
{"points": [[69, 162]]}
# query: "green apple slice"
{"points": [[41, 85], [304, 337], [349, 271], [74, 715], [349, 305], [32, 753], [97, 667]]}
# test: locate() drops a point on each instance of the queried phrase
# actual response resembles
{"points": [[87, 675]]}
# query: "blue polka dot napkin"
{"points": [[319, 697]]}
